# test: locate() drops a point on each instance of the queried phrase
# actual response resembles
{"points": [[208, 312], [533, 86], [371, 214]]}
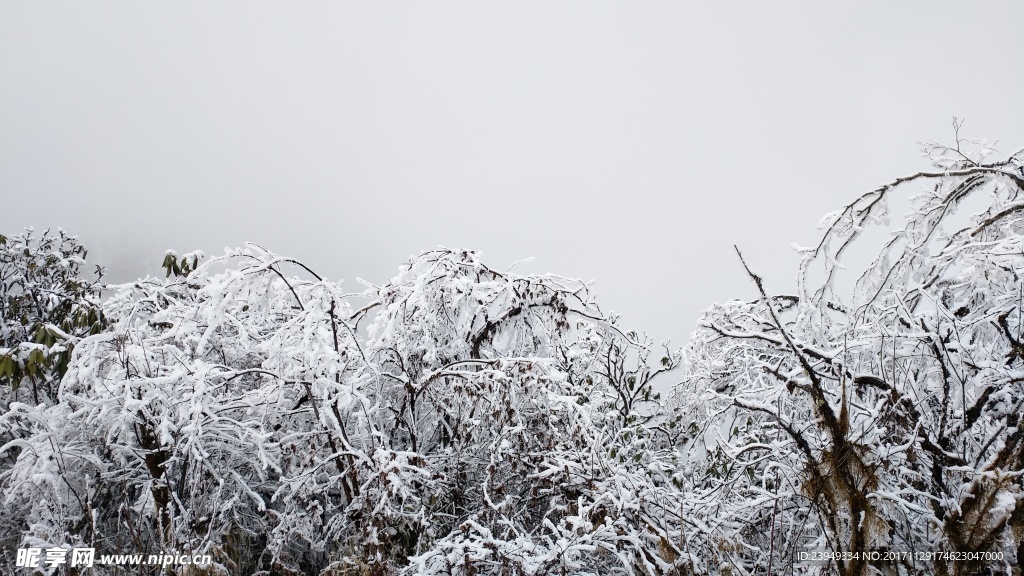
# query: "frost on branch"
{"points": [[880, 409], [488, 423], [462, 420]]}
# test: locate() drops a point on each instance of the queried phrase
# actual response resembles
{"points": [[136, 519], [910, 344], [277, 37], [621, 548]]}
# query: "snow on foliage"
{"points": [[46, 307], [483, 423], [462, 420]]}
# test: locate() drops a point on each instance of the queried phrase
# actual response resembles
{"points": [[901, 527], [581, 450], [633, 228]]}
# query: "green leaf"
{"points": [[37, 356]]}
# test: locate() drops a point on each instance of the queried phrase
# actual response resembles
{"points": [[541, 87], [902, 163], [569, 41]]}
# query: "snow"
{"points": [[492, 423]]}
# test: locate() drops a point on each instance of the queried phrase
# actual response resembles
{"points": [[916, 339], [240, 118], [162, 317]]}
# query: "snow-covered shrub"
{"points": [[46, 307], [462, 420], [484, 422]]}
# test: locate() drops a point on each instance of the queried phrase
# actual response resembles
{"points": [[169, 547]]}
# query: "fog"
{"points": [[628, 143]]}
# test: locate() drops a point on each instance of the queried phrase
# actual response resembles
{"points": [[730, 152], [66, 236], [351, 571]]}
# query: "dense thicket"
{"points": [[462, 420], [484, 423]]}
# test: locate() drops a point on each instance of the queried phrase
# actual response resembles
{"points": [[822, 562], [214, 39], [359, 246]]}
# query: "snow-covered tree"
{"points": [[879, 406], [484, 422], [459, 419], [46, 307]]}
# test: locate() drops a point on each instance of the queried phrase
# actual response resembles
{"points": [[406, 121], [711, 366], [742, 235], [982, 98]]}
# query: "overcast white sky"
{"points": [[631, 143]]}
